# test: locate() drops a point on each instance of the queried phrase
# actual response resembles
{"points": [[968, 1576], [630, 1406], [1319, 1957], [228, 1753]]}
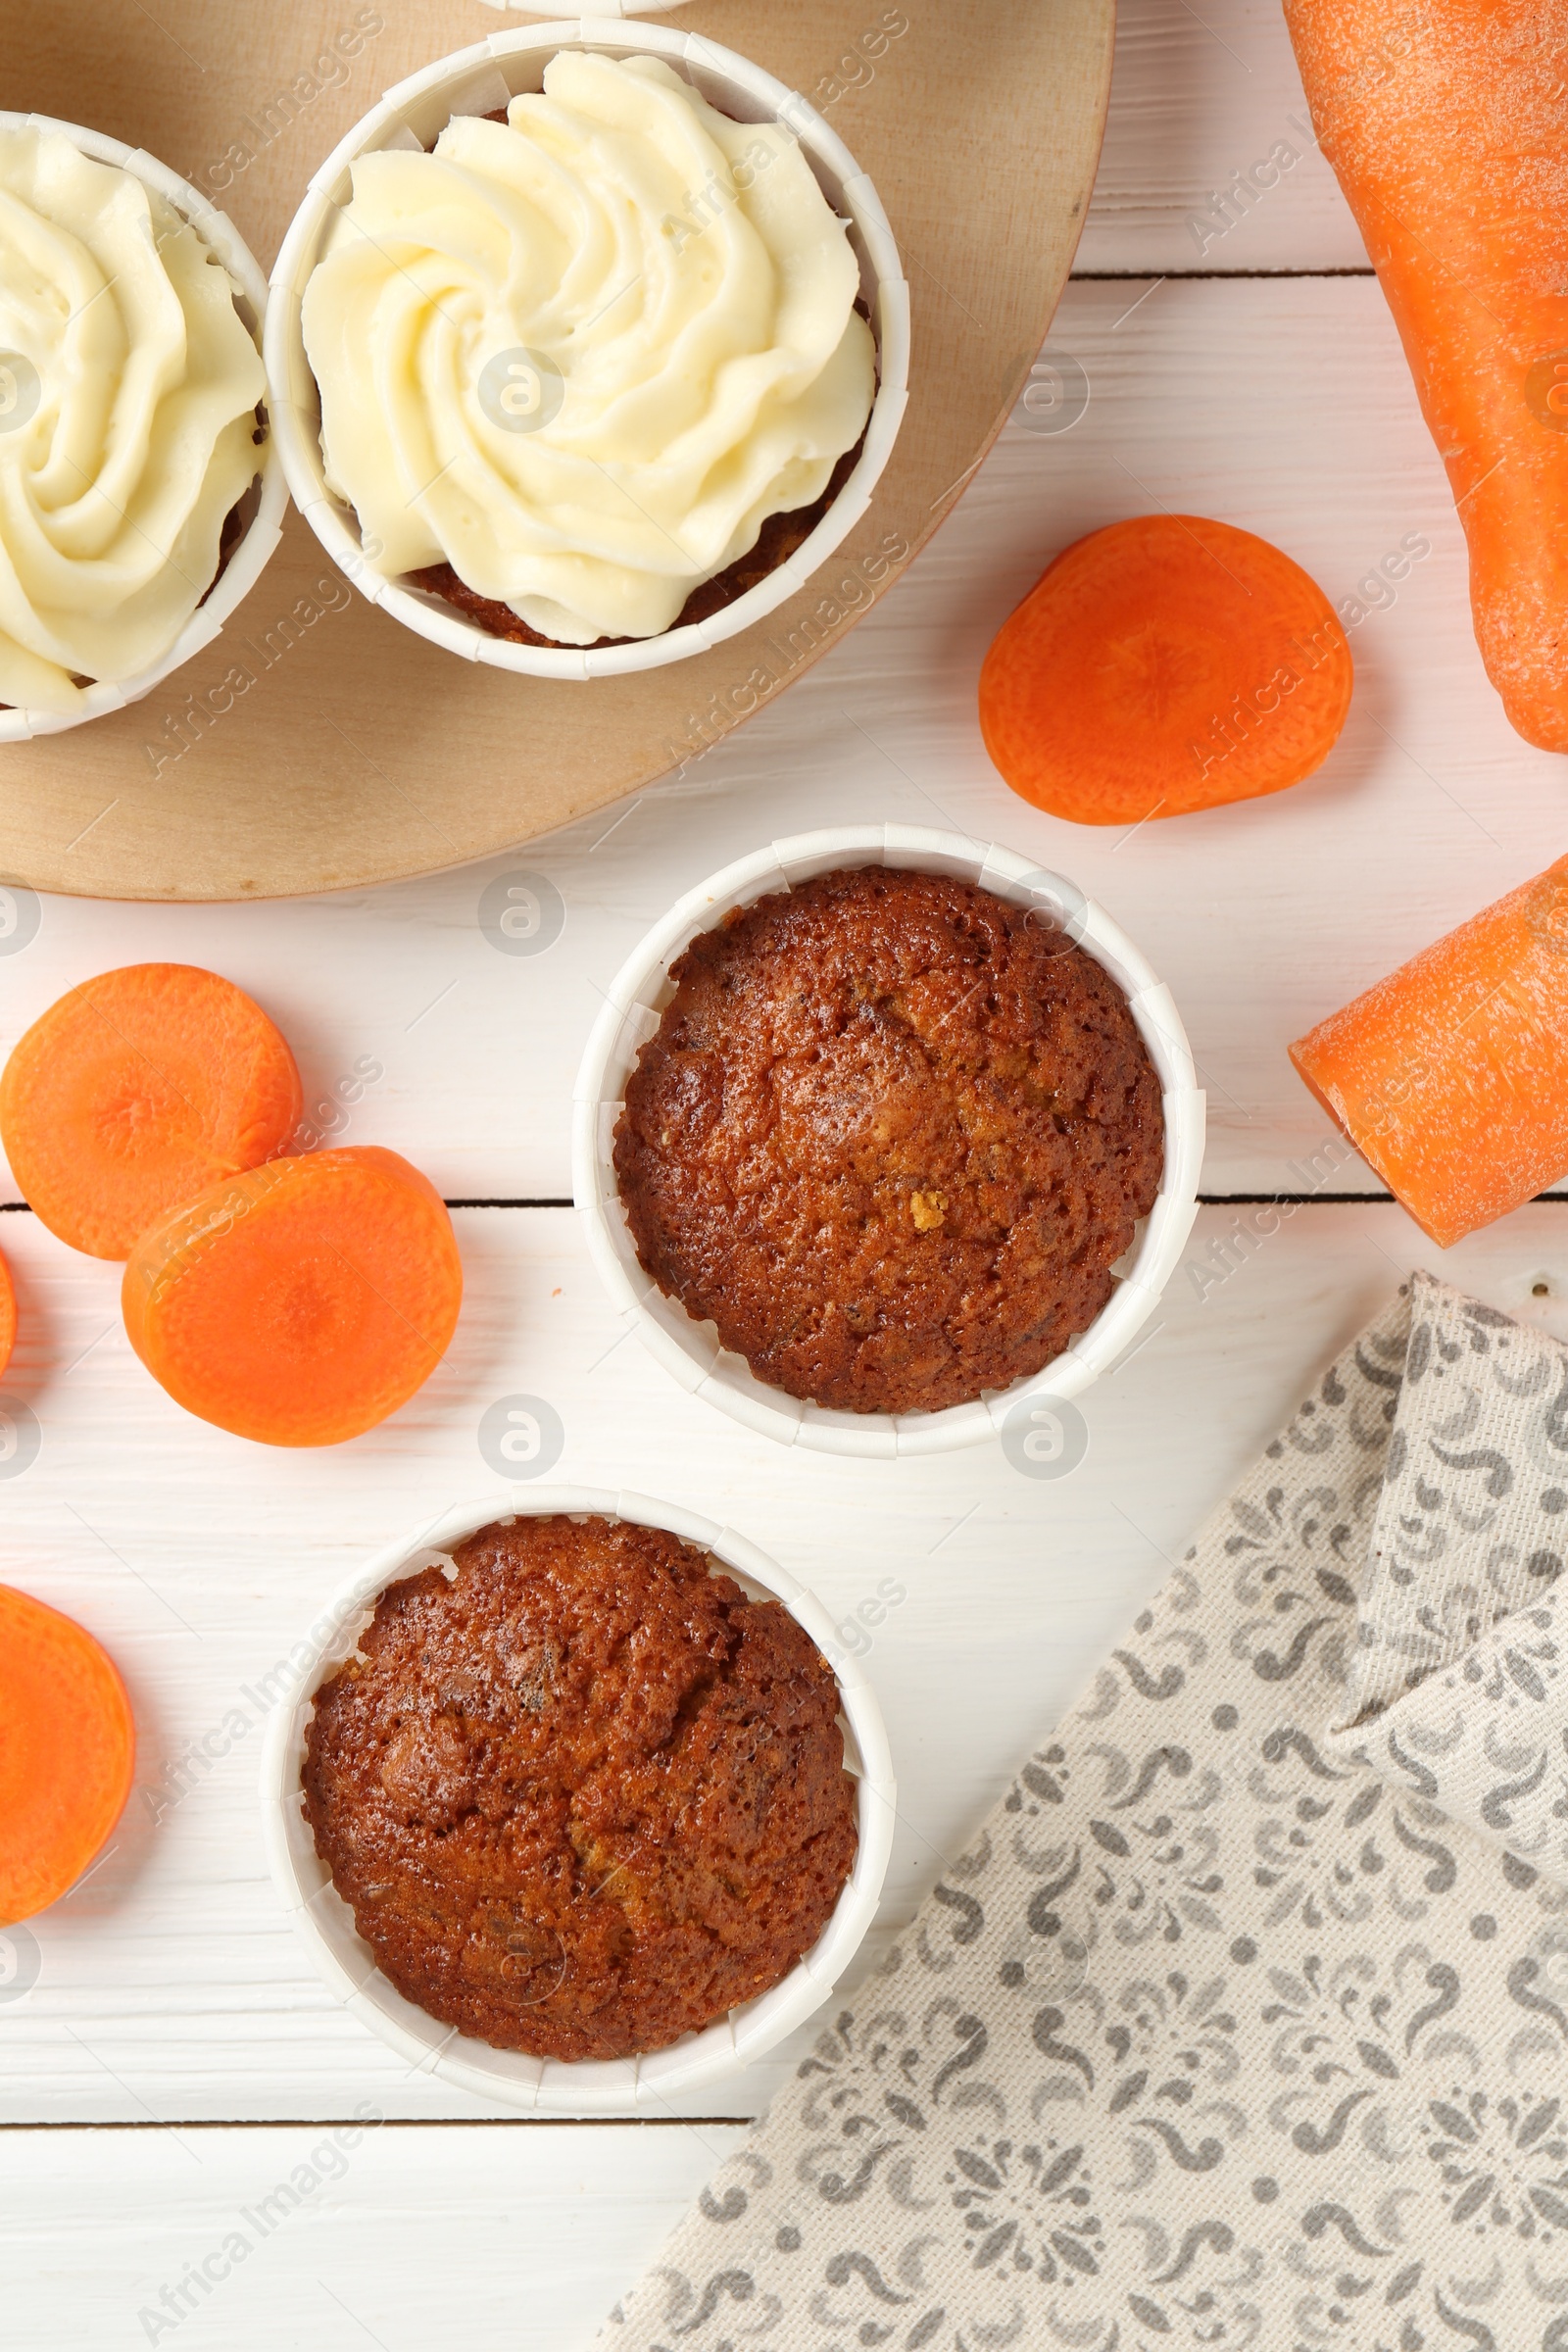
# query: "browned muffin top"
{"points": [[583, 1797], [891, 1137]]}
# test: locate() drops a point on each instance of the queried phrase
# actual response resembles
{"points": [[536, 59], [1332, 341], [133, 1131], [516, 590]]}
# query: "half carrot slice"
{"points": [[1451, 1076], [137, 1092], [68, 1750], [1161, 665], [301, 1302]]}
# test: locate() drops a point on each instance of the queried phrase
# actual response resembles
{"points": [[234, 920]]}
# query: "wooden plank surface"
{"points": [[245, 2241], [169, 1986], [1204, 94], [1280, 405]]}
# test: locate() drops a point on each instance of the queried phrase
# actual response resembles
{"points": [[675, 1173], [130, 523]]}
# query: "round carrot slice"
{"points": [[7, 1314], [68, 1749], [1161, 665], [137, 1092], [301, 1302]]}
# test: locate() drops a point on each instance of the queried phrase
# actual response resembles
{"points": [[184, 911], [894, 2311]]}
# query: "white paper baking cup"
{"points": [[265, 504], [476, 80], [691, 1351], [552, 2086]]}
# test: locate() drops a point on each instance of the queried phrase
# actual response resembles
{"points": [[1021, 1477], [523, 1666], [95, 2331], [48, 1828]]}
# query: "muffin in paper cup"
{"points": [[692, 1352], [478, 81], [547, 2085], [261, 506]]}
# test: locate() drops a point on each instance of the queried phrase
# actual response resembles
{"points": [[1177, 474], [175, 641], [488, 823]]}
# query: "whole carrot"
{"points": [[1446, 121]]}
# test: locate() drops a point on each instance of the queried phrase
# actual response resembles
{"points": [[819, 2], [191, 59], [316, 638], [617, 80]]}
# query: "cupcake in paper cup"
{"points": [[588, 351], [887, 1141], [643, 1849], [138, 501]]}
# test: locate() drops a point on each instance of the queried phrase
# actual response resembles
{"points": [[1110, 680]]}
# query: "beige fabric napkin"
{"points": [[1243, 2023], [1455, 1690]]}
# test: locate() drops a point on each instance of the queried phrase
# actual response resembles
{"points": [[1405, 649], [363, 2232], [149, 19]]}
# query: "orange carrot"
{"points": [[1450, 1077], [301, 1302], [68, 1749], [7, 1314], [1160, 665], [1447, 129], [137, 1092]]}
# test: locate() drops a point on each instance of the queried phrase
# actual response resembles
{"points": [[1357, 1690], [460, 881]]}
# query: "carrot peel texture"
{"points": [[1451, 1076], [1447, 128]]}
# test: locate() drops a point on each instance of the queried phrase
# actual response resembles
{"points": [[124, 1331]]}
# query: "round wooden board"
{"points": [[360, 754]]}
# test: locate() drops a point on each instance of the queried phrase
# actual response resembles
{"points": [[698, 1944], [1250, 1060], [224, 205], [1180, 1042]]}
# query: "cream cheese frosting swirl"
{"points": [[129, 384], [582, 355]]}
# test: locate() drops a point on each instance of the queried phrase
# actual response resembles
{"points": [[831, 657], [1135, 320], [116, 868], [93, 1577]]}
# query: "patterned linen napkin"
{"points": [[1245, 2020], [1455, 1688]]}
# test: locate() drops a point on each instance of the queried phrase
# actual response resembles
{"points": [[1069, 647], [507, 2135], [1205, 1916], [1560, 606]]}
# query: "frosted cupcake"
{"points": [[576, 362], [129, 388]]}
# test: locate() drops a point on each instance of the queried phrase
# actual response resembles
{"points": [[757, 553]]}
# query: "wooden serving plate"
{"points": [[360, 754]]}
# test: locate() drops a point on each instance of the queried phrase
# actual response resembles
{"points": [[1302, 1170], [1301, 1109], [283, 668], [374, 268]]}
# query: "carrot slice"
{"points": [[68, 1749], [1444, 127], [1450, 1077], [301, 1302], [1160, 665], [7, 1314], [137, 1092]]}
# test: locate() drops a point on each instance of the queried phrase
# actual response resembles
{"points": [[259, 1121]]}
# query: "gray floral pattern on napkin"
{"points": [[1456, 1686], [1217, 2035]]}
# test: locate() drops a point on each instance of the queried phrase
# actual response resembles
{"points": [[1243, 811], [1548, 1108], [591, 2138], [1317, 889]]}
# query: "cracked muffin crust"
{"points": [[891, 1135], [584, 1797]]}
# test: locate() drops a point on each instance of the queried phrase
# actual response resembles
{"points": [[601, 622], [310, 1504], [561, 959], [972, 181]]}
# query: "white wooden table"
{"points": [[173, 2057]]}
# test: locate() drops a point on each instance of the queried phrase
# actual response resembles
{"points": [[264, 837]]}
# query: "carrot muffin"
{"points": [[128, 394], [781, 537], [584, 1796], [574, 362], [891, 1135]]}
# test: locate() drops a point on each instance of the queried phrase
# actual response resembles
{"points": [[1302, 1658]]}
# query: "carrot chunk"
{"points": [[68, 1749], [137, 1092], [7, 1314], [1450, 1077], [1446, 127], [301, 1302], [1160, 665]]}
